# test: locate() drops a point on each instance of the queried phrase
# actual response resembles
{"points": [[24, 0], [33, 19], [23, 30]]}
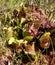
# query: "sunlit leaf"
{"points": [[12, 40], [45, 40]]}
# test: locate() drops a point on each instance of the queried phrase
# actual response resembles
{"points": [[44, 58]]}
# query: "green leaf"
{"points": [[11, 40], [22, 20], [28, 38]]}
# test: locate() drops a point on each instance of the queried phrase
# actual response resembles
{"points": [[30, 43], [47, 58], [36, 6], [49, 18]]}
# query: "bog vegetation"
{"points": [[27, 32]]}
